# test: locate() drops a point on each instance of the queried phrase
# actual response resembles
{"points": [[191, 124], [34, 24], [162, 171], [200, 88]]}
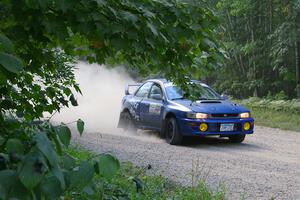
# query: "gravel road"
{"points": [[265, 166]]}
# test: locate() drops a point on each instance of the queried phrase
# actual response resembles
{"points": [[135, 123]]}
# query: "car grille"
{"points": [[225, 115]]}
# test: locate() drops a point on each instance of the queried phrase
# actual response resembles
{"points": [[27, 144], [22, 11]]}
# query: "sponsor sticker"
{"points": [[154, 109]]}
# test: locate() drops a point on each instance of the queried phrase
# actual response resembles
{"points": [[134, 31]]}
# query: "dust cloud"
{"points": [[100, 103]]}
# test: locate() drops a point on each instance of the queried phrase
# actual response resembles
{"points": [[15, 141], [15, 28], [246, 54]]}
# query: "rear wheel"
{"points": [[173, 136], [129, 124], [237, 138]]}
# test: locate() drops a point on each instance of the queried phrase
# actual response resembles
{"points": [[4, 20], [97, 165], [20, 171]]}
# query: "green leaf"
{"points": [[64, 135], [101, 2], [18, 191], [6, 44], [67, 91], [50, 187], [11, 63], [45, 146], [89, 190], [2, 140], [57, 172], [7, 179], [138, 183], [44, 3], [108, 165], [96, 167], [82, 176], [152, 28], [77, 88], [73, 100], [80, 126], [65, 5], [68, 162], [32, 170], [57, 145], [129, 16], [210, 43], [15, 146]]}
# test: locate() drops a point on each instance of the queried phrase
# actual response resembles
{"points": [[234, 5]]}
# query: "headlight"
{"points": [[197, 115], [245, 115]]}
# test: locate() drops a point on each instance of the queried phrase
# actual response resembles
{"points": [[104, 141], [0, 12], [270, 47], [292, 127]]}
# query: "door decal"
{"points": [[154, 109]]}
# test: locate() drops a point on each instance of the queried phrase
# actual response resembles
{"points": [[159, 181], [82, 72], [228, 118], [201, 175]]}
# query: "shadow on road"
{"points": [[197, 142], [217, 143]]}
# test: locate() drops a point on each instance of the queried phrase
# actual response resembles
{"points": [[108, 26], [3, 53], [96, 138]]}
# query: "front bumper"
{"points": [[190, 127]]}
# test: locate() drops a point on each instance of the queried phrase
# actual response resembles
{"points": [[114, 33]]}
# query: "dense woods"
{"points": [[262, 39]]}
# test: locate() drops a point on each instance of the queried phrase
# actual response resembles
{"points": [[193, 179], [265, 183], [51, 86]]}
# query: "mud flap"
{"points": [[121, 123]]}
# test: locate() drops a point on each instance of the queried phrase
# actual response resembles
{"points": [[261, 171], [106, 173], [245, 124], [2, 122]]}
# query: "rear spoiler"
{"points": [[131, 85]]}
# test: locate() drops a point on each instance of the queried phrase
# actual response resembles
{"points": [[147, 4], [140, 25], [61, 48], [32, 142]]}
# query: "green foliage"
{"points": [[80, 126], [36, 166], [263, 45], [123, 186], [281, 96], [8, 61], [14, 146], [272, 112], [64, 135], [282, 114], [11, 63], [149, 36], [5, 44], [39, 42], [107, 165], [289, 106]]}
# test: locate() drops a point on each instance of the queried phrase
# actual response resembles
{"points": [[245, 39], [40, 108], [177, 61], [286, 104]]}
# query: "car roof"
{"points": [[158, 80]]}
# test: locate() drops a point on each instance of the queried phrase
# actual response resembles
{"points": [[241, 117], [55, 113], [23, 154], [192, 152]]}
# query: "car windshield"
{"points": [[206, 93]]}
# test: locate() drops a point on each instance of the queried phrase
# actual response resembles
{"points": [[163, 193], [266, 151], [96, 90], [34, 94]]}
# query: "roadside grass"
{"points": [[132, 183], [276, 119], [282, 114]]}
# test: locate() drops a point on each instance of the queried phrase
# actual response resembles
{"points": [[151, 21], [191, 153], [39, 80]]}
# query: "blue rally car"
{"points": [[160, 105]]}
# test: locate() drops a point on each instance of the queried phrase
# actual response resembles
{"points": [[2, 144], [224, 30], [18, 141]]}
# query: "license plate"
{"points": [[226, 127]]}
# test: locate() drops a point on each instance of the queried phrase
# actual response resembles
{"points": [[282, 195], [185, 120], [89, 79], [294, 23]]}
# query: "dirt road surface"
{"points": [[265, 166]]}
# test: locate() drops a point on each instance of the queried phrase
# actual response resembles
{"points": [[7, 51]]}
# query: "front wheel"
{"points": [[172, 133], [237, 138]]}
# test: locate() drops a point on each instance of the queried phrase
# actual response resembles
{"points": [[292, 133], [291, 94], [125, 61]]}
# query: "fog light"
{"points": [[203, 127], [247, 126]]}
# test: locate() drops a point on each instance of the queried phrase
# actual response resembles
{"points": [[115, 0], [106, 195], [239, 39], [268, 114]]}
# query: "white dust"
{"points": [[100, 103]]}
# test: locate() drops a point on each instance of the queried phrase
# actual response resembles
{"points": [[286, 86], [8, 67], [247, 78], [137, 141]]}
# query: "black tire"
{"points": [[237, 138], [172, 133], [162, 132], [129, 125]]}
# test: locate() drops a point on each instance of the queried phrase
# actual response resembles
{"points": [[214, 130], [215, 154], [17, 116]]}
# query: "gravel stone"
{"points": [[266, 165]]}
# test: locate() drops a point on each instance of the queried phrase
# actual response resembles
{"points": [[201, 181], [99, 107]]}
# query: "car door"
{"points": [[138, 109], [153, 107]]}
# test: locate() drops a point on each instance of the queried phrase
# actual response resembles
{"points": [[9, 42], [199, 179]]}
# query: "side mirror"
{"points": [[156, 97]]}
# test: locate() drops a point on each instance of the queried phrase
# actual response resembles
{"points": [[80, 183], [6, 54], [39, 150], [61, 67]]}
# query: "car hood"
{"points": [[212, 106]]}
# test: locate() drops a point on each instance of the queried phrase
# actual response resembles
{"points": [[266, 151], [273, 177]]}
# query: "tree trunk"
{"points": [[231, 37], [253, 58], [297, 63]]}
